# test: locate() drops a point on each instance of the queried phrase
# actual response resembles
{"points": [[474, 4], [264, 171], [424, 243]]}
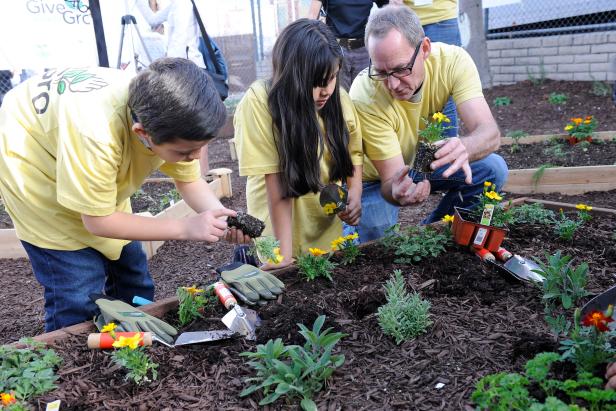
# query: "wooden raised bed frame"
{"points": [[564, 180], [219, 181], [160, 308]]}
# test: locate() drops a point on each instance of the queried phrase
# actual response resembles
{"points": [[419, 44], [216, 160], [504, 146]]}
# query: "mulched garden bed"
{"points": [[483, 323], [530, 110], [559, 154]]}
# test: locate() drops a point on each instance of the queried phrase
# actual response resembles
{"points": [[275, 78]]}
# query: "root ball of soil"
{"points": [[251, 226], [424, 156]]}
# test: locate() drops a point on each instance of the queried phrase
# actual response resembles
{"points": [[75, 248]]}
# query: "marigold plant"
{"points": [[434, 129], [192, 301], [581, 128], [130, 355], [315, 264], [500, 215], [348, 245]]}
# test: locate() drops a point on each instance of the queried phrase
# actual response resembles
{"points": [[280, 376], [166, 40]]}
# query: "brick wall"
{"points": [[586, 56]]}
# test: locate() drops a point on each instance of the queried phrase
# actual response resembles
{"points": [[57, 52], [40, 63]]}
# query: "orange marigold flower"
{"points": [[598, 320], [588, 117], [7, 398]]}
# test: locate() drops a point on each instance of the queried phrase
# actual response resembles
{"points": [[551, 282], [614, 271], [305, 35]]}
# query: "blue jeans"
{"points": [[446, 31], [378, 215], [69, 277]]}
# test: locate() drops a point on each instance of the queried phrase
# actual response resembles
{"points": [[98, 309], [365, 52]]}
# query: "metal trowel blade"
{"points": [[243, 321], [522, 268], [195, 337]]}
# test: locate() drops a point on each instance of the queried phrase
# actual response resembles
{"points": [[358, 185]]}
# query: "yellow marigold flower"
{"points": [[130, 342], [587, 121], [493, 195], [193, 290], [440, 117], [568, 127], [7, 399], [109, 328], [337, 242], [317, 252], [583, 207], [448, 218], [329, 208], [487, 184], [278, 257], [577, 121], [352, 236]]}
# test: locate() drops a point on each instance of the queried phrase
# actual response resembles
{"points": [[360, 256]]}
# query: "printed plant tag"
{"points": [[486, 216], [480, 236], [423, 2], [53, 406]]}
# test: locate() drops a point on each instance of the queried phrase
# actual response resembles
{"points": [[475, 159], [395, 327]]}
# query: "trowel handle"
{"points": [[104, 341], [224, 295]]}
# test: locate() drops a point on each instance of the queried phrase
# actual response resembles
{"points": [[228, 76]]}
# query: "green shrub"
{"points": [[28, 371], [405, 316], [292, 370], [534, 213], [502, 392], [502, 101], [557, 98], [414, 243], [600, 89], [565, 228]]}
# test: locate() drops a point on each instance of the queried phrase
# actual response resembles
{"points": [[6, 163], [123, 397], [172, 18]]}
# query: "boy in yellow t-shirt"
{"points": [[296, 133], [410, 78], [74, 145]]}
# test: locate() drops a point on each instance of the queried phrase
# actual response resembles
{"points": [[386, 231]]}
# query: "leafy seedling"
{"points": [[557, 99], [502, 101]]}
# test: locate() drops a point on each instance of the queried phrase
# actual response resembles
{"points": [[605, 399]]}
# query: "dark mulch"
{"points": [[483, 323], [559, 154], [530, 110]]}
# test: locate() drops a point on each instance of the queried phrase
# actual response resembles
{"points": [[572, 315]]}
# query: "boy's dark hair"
{"points": [[174, 98], [305, 56]]}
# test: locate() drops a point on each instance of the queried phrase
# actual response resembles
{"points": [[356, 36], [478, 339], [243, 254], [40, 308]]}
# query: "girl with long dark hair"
{"points": [[295, 133]]}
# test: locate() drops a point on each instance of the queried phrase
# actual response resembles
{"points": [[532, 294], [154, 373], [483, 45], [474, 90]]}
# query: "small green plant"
{"points": [[292, 370], [191, 304], [170, 198], [348, 246], [28, 371], [555, 150], [405, 316], [589, 388], [583, 212], [565, 228], [315, 264], [538, 370], [502, 392], [537, 175], [581, 128], [534, 213], [267, 248], [131, 356], [557, 98], [502, 101], [562, 288], [538, 79], [415, 243], [588, 344], [600, 89], [516, 135], [434, 129]]}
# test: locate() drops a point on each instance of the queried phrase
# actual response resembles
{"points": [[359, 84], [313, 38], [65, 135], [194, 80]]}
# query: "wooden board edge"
{"points": [[532, 139]]}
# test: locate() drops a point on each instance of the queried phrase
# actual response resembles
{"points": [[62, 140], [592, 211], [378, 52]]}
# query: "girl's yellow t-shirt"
{"points": [[257, 155]]}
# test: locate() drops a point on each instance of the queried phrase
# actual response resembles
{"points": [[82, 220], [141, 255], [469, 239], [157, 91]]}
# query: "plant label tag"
{"points": [[53, 406], [486, 216], [423, 2], [480, 236]]}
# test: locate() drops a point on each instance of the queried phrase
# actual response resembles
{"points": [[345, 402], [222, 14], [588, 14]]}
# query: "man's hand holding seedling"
{"points": [[453, 151]]}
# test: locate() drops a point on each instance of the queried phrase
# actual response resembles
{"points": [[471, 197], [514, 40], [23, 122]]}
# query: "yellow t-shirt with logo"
{"points": [[67, 149], [434, 11], [257, 155], [390, 126]]}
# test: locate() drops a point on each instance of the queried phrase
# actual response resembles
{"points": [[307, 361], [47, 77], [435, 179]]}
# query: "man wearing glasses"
{"points": [[410, 78]]}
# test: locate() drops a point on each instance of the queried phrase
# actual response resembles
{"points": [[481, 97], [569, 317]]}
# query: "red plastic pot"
{"points": [[574, 140], [467, 232]]}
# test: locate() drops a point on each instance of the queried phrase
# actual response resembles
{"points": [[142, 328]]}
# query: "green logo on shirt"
{"points": [[73, 80]]}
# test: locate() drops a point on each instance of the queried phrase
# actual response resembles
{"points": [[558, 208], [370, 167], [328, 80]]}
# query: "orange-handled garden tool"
{"points": [[104, 341], [240, 320]]}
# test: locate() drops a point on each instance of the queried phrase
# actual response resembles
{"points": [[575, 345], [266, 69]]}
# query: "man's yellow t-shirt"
{"points": [[390, 126], [67, 149], [430, 12], [257, 155]]}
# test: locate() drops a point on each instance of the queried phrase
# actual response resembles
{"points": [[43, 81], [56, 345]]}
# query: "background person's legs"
{"points": [[129, 276], [446, 31], [68, 277]]}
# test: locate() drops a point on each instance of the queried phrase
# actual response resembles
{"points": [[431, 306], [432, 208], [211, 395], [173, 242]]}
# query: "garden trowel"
{"points": [[519, 267], [105, 340], [600, 302], [240, 320]]}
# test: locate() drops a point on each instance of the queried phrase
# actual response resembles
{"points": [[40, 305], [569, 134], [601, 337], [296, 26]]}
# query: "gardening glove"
{"points": [[251, 284], [130, 318]]}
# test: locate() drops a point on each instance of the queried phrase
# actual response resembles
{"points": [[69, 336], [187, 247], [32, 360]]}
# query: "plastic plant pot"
{"points": [[467, 232]]}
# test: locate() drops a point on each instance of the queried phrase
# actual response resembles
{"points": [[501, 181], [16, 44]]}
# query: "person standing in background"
{"points": [[347, 20], [183, 41], [439, 19]]}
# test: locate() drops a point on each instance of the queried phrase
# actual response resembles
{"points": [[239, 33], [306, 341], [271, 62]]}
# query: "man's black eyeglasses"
{"points": [[398, 73]]}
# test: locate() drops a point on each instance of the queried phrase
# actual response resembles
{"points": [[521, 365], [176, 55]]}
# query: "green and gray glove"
{"points": [[251, 284], [130, 318]]}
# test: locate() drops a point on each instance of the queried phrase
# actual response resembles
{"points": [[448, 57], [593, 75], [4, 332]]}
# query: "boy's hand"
{"points": [[236, 236], [208, 225], [284, 263]]}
